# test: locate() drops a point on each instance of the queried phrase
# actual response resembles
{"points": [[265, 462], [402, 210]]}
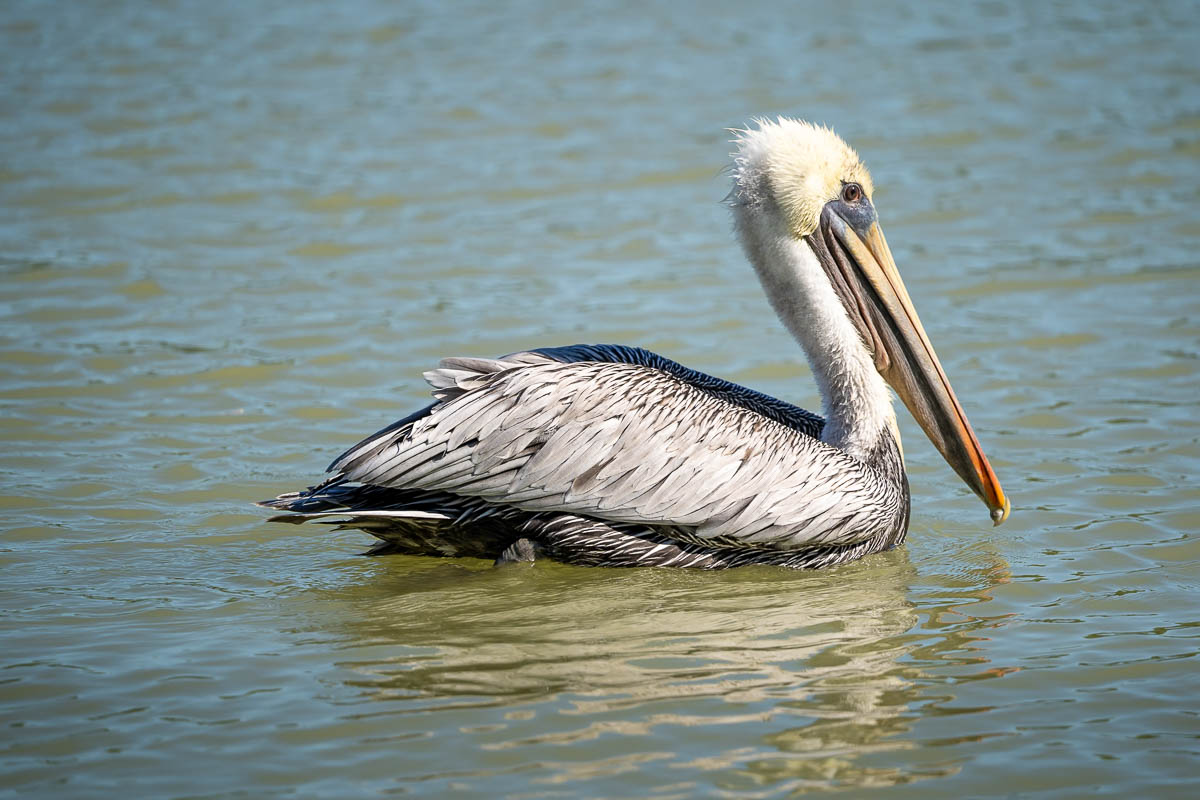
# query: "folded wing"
{"points": [[626, 442]]}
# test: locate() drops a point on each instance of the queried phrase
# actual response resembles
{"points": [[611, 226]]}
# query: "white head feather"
{"points": [[784, 174], [798, 165]]}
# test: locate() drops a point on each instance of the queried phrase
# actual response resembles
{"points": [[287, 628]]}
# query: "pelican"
{"points": [[606, 455]]}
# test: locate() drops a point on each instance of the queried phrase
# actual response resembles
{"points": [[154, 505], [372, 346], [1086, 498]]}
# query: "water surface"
{"points": [[232, 236]]}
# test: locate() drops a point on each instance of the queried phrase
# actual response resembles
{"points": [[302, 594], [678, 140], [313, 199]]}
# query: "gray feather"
{"points": [[634, 443]]}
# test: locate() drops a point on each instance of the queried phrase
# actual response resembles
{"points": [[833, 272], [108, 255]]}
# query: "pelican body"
{"points": [[605, 455]]}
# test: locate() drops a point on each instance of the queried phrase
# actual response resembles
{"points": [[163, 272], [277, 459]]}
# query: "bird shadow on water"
{"points": [[809, 675]]}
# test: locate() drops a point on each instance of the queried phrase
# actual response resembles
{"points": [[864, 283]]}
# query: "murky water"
{"points": [[233, 236]]}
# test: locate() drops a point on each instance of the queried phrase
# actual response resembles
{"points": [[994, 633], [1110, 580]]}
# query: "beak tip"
{"points": [[1000, 514]]}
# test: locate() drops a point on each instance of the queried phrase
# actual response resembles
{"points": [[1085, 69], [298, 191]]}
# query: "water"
{"points": [[232, 236]]}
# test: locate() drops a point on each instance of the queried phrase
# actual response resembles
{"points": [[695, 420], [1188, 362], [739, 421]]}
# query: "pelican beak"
{"points": [[880, 306]]}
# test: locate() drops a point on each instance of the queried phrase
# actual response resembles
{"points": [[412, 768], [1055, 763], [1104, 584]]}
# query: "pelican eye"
{"points": [[852, 192]]}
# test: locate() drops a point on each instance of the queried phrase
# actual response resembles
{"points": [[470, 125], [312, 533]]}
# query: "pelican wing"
{"points": [[625, 442]]}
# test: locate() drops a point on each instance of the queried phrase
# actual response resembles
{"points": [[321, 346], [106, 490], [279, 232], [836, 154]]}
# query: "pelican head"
{"points": [[802, 202]]}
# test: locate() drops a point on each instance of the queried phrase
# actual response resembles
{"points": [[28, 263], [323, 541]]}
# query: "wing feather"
{"points": [[622, 442]]}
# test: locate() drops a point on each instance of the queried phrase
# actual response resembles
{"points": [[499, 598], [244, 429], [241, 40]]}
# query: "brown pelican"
{"points": [[611, 455]]}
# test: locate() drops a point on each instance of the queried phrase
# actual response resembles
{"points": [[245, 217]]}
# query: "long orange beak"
{"points": [[907, 361]]}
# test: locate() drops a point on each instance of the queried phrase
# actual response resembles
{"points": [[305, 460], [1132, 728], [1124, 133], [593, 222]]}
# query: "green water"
{"points": [[232, 236]]}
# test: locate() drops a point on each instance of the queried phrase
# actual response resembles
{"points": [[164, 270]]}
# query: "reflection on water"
{"points": [[806, 677], [232, 237]]}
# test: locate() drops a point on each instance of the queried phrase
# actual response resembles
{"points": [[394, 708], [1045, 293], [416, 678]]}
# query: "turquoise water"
{"points": [[232, 236]]}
